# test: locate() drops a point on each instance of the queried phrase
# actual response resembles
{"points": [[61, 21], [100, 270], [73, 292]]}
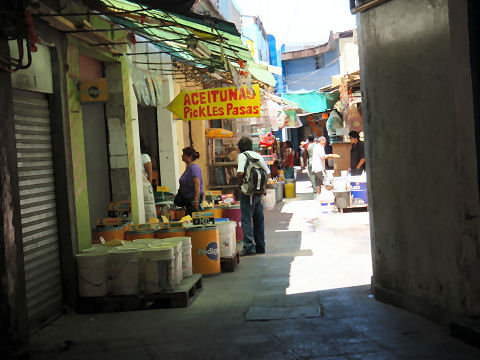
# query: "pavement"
{"points": [[308, 297]]}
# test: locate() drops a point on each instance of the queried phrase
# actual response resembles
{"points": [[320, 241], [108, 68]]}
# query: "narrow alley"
{"points": [[308, 297]]}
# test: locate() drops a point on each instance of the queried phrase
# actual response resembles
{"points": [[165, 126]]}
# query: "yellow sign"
{"points": [[219, 103], [162, 189], [94, 90]]}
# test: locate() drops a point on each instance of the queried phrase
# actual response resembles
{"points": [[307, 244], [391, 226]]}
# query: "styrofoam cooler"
{"points": [[226, 235], [269, 200]]}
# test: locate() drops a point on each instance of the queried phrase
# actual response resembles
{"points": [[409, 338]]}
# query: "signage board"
{"points": [[94, 90], [218, 103], [203, 218]]}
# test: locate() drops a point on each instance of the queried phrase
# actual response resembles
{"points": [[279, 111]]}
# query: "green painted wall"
{"points": [[74, 48], [78, 148]]}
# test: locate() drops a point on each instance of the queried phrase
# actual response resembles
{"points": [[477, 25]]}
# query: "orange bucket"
{"points": [[205, 250], [108, 234], [139, 234], [169, 233]]}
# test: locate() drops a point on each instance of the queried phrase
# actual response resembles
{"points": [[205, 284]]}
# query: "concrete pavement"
{"points": [[308, 297]]}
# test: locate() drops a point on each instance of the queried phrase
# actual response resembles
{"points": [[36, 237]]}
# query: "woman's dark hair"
{"points": [[190, 151], [354, 134], [311, 138], [245, 144], [288, 143], [143, 147]]}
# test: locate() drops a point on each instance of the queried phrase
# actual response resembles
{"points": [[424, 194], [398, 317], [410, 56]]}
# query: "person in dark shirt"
{"points": [[357, 154]]}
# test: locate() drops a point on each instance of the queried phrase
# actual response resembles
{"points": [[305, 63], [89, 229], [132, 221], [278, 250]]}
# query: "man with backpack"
{"points": [[252, 175]]}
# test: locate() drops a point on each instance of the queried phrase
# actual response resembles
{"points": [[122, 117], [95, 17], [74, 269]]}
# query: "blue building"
{"points": [[276, 60], [254, 35], [311, 68]]}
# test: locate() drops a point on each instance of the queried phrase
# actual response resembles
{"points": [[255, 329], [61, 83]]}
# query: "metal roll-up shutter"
{"points": [[37, 205]]}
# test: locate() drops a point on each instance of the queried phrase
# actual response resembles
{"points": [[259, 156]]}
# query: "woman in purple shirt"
{"points": [[191, 182]]}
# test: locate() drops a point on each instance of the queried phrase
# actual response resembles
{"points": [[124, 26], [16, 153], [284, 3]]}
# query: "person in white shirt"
{"points": [[251, 206], [146, 162], [318, 164]]}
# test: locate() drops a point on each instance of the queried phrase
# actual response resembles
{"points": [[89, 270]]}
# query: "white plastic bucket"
{"points": [[187, 269], [177, 247], [92, 273], [158, 269], [269, 199], [124, 267], [142, 241], [226, 236], [339, 183]]}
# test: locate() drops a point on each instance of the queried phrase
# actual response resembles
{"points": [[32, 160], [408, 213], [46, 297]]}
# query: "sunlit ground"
{"points": [[339, 243]]}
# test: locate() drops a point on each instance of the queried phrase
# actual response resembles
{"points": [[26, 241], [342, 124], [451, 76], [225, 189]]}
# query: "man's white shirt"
{"points": [[317, 161], [242, 160]]}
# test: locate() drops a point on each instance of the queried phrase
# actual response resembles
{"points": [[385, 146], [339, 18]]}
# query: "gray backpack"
{"points": [[254, 176]]}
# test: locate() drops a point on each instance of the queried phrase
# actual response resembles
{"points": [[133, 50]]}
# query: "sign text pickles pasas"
{"points": [[218, 103]]}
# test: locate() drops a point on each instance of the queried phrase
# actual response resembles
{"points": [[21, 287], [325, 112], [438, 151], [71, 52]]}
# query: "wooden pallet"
{"points": [[354, 209], [182, 296], [229, 264]]}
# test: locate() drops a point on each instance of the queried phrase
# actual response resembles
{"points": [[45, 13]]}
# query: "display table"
{"points": [[343, 162]]}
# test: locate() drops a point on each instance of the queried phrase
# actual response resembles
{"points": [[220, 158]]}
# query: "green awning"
{"points": [[172, 33], [261, 73], [314, 101]]}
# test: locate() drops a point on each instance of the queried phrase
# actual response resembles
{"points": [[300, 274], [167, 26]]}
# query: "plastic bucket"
{"points": [[177, 248], [145, 242], [139, 234], [186, 255], [124, 267], [169, 233], [289, 190], [92, 273], [158, 268], [205, 250], [226, 237], [234, 213], [117, 232], [269, 199]]}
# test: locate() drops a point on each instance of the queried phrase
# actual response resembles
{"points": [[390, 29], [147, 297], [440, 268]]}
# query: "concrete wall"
{"points": [[421, 161]]}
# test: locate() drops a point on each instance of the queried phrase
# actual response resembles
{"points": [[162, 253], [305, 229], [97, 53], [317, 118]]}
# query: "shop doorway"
{"points": [[148, 127], [95, 132]]}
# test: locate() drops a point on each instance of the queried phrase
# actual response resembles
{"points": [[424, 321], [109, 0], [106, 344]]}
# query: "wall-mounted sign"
{"points": [[94, 90], [219, 103]]}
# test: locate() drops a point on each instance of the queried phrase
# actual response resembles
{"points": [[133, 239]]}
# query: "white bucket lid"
{"points": [[158, 253], [142, 241]]}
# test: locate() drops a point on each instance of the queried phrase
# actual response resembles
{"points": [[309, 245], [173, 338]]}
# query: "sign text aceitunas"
{"points": [[218, 103]]}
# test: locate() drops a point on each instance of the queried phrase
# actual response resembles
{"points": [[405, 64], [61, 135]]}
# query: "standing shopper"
{"points": [[318, 164], [357, 154], [308, 158], [251, 206], [191, 182], [288, 160]]}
